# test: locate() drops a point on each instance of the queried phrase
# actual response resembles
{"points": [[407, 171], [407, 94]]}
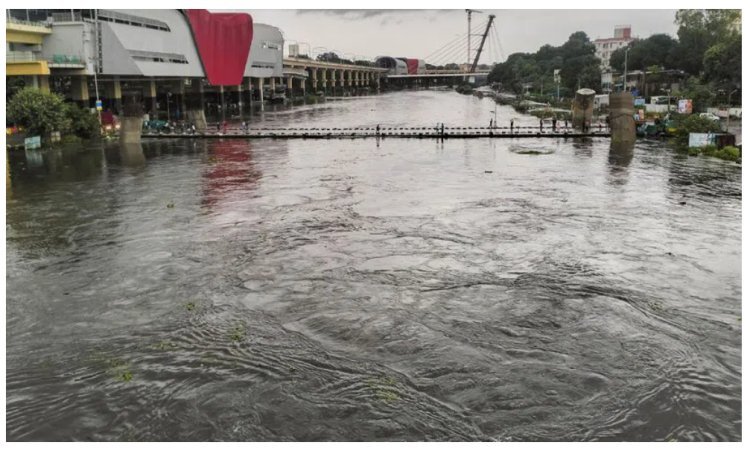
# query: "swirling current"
{"points": [[399, 289]]}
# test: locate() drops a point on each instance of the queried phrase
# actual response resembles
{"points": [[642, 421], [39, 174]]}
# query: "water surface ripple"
{"points": [[373, 290]]}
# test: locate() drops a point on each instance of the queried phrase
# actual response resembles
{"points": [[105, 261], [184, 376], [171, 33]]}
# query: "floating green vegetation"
{"points": [[114, 366], [170, 205], [164, 345], [530, 151], [656, 306], [190, 306], [387, 396], [238, 332], [384, 389]]}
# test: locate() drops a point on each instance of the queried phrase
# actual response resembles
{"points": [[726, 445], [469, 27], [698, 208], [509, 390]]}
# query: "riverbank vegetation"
{"points": [[40, 113], [708, 49], [693, 123], [534, 72]]}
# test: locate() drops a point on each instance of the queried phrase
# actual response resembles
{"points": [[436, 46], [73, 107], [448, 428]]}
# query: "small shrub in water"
{"points": [[237, 333]]}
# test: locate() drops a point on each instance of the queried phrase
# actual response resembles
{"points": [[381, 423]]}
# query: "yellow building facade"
{"points": [[23, 53]]}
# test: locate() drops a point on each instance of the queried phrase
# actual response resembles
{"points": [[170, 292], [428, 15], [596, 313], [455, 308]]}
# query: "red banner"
{"points": [[223, 41], [412, 65]]}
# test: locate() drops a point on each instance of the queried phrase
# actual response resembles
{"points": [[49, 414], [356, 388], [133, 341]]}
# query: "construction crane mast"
{"points": [[481, 44], [468, 35]]}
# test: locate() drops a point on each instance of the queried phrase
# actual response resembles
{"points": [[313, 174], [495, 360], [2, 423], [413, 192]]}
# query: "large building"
{"points": [[604, 49], [166, 59]]}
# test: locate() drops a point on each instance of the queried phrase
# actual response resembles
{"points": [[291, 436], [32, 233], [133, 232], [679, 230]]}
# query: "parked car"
{"points": [[710, 116]]}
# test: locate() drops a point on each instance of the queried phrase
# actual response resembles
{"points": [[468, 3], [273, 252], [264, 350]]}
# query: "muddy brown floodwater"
{"points": [[535, 289]]}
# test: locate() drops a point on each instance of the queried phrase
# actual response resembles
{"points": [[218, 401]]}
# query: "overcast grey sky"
{"points": [[418, 33]]}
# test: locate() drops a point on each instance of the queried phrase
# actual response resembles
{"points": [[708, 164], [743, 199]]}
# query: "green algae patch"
{"points": [[384, 389], [238, 332]]}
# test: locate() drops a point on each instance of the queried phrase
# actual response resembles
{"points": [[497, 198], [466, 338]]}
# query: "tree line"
{"points": [[708, 49]]}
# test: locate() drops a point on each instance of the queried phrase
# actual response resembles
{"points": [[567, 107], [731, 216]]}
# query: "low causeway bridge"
{"points": [[385, 132]]}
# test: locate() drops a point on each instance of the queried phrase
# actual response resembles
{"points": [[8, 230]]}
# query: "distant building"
{"points": [[604, 49]]}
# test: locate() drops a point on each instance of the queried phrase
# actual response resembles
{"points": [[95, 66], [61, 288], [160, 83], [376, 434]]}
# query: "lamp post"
{"points": [[97, 64], [669, 101], [625, 74]]}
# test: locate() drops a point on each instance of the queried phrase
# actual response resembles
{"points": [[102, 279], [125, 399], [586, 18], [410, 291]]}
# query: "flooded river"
{"points": [[373, 290]]}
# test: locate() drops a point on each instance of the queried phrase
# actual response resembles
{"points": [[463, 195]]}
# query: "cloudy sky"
{"points": [[421, 33]]}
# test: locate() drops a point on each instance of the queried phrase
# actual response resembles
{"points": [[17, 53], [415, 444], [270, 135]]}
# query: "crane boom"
{"points": [[481, 44]]}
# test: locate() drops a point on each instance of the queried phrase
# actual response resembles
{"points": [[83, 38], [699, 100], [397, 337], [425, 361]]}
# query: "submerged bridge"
{"points": [[387, 132]]}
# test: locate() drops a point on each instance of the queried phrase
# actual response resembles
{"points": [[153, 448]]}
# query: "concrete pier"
{"points": [[621, 119]]}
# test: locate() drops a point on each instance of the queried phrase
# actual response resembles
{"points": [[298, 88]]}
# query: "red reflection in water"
{"points": [[230, 169]]}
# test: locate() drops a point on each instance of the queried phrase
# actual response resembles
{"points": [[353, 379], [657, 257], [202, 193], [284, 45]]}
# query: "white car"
{"points": [[711, 116]]}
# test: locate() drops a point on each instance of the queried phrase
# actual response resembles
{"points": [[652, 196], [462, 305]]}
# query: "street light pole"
{"points": [[625, 74]]}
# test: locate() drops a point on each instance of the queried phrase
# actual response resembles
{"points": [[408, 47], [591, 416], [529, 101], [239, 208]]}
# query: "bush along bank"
{"points": [[37, 113], [693, 123]]}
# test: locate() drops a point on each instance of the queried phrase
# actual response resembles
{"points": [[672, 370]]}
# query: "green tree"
{"points": [[656, 50], [722, 63], [40, 113], [83, 123], [698, 30], [576, 59]]}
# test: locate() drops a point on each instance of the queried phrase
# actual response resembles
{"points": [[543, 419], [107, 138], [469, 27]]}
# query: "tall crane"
{"points": [[468, 34], [481, 44]]}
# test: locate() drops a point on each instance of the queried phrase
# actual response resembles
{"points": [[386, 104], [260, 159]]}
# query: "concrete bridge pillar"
{"points": [[349, 78], [314, 79], [621, 120], [260, 89], [290, 86], [341, 80], [80, 91]]}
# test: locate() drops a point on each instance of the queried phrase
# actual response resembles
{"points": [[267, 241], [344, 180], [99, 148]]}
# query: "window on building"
{"points": [[129, 19], [158, 57]]}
